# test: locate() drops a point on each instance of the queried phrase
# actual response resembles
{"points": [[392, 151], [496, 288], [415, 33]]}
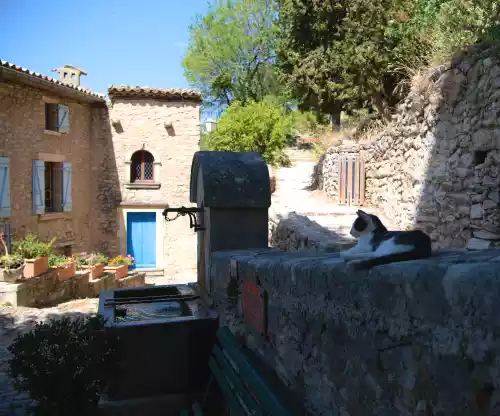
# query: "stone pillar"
{"points": [[233, 188]]}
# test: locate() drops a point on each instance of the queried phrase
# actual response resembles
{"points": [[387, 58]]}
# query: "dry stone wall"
{"points": [[437, 165]]}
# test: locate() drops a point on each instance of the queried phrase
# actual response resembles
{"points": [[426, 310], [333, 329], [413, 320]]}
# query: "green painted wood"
{"points": [[227, 369], [267, 398], [197, 409], [226, 389]]}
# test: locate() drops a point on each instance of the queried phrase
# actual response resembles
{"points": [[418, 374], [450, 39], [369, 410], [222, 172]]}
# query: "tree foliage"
{"points": [[337, 53], [231, 52], [259, 126]]}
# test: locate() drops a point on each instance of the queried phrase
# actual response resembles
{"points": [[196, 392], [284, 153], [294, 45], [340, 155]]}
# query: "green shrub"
{"points": [[11, 261], [58, 261], [463, 22], [31, 247], [64, 364], [261, 127]]}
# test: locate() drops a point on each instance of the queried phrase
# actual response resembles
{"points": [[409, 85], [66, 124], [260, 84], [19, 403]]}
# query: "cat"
{"points": [[376, 245]]}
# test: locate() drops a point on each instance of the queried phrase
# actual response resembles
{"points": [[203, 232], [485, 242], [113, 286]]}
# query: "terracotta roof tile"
{"points": [[9, 65], [147, 92]]}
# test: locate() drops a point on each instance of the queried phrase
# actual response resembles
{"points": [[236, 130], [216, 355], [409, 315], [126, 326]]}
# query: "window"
{"points": [[57, 117], [142, 167], [52, 193], [51, 187]]}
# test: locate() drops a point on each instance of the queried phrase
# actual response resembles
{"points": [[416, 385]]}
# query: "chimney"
{"points": [[70, 74]]}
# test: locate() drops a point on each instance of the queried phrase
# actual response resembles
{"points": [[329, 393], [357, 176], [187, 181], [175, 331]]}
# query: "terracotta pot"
{"points": [[119, 271], [11, 275], [96, 271], [35, 267], [66, 272]]}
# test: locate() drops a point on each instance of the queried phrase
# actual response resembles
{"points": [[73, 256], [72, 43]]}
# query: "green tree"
{"points": [[338, 54], [231, 52], [259, 126]]}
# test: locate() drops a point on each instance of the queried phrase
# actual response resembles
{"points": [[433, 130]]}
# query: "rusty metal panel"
{"points": [[254, 303]]}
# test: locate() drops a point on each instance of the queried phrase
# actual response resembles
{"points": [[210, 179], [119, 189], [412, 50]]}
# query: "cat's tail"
{"points": [[392, 258]]}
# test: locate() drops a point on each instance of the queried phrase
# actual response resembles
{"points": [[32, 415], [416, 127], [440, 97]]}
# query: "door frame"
{"points": [[159, 232]]}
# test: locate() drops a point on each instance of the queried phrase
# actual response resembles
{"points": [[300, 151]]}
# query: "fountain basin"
{"points": [[167, 335]]}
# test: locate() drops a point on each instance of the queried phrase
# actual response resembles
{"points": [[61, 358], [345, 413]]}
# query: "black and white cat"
{"points": [[377, 245]]}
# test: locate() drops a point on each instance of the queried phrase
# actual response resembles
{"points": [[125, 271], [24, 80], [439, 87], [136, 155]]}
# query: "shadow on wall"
{"points": [[106, 185], [459, 195]]}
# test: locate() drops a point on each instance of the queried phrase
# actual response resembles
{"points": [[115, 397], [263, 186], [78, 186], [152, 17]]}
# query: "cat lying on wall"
{"points": [[376, 245]]}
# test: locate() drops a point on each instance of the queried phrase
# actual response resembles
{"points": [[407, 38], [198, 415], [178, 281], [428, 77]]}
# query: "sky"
{"points": [[131, 42]]}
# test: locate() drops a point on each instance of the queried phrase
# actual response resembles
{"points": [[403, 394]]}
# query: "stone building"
{"points": [[94, 174]]}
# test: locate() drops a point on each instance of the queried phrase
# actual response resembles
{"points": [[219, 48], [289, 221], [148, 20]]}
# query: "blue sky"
{"points": [[133, 42]]}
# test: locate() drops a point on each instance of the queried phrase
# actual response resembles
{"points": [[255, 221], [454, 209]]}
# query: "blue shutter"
{"points": [[67, 202], [4, 187], [38, 187], [62, 118]]}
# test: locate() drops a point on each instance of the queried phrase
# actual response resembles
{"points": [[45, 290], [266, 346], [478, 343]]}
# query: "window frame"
{"points": [[142, 165], [51, 125]]}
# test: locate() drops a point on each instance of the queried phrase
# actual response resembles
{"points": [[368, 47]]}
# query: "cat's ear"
{"points": [[361, 213]]}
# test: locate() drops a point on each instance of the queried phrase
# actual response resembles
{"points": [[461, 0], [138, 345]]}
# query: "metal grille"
{"points": [[142, 166], [6, 229], [351, 179]]}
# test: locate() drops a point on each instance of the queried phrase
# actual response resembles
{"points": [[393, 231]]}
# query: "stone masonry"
{"points": [[437, 165], [145, 124], [410, 338], [23, 138]]}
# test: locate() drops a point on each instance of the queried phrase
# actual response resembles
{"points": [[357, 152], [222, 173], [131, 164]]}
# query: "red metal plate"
{"points": [[254, 306]]}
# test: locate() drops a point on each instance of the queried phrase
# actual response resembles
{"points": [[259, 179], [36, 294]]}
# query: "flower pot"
{"points": [[66, 272], [96, 271], [35, 267], [119, 271], [11, 275]]}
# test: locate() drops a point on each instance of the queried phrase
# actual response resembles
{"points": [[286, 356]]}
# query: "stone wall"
{"points": [[142, 126], [47, 290], [295, 232], [413, 338], [23, 138], [437, 165]]}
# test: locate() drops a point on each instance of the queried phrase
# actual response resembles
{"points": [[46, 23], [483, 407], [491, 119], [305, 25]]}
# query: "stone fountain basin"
{"points": [[162, 354]]}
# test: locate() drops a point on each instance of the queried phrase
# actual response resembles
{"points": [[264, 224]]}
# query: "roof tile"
{"points": [[147, 92], [9, 65]]}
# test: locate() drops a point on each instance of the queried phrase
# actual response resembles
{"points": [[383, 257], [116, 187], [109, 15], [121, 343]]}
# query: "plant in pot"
{"points": [[94, 263], [35, 254], [64, 266], [12, 265], [119, 266], [12, 268], [64, 364]]}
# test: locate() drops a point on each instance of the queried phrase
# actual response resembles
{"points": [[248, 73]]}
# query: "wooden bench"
{"points": [[246, 388]]}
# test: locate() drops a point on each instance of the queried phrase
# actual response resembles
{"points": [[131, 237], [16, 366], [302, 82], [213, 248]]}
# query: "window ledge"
{"points": [[143, 185], [53, 132], [52, 216]]}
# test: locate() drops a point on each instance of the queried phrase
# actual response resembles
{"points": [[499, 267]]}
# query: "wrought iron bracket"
{"points": [[182, 211]]}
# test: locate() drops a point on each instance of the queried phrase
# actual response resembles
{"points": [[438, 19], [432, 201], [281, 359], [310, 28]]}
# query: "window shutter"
{"points": [[4, 187], [38, 187], [67, 202], [62, 118]]}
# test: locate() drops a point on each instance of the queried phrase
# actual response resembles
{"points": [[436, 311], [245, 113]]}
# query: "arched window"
{"points": [[142, 169]]}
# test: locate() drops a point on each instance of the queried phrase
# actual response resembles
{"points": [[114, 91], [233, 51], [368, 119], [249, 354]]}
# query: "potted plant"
{"points": [[12, 268], [35, 254], [119, 266], [94, 263], [64, 266]]}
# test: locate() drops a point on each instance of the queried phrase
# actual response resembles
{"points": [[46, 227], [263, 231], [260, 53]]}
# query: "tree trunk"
{"points": [[335, 112], [382, 105]]}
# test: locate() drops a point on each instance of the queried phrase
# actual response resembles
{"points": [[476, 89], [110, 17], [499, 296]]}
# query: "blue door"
{"points": [[141, 238]]}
